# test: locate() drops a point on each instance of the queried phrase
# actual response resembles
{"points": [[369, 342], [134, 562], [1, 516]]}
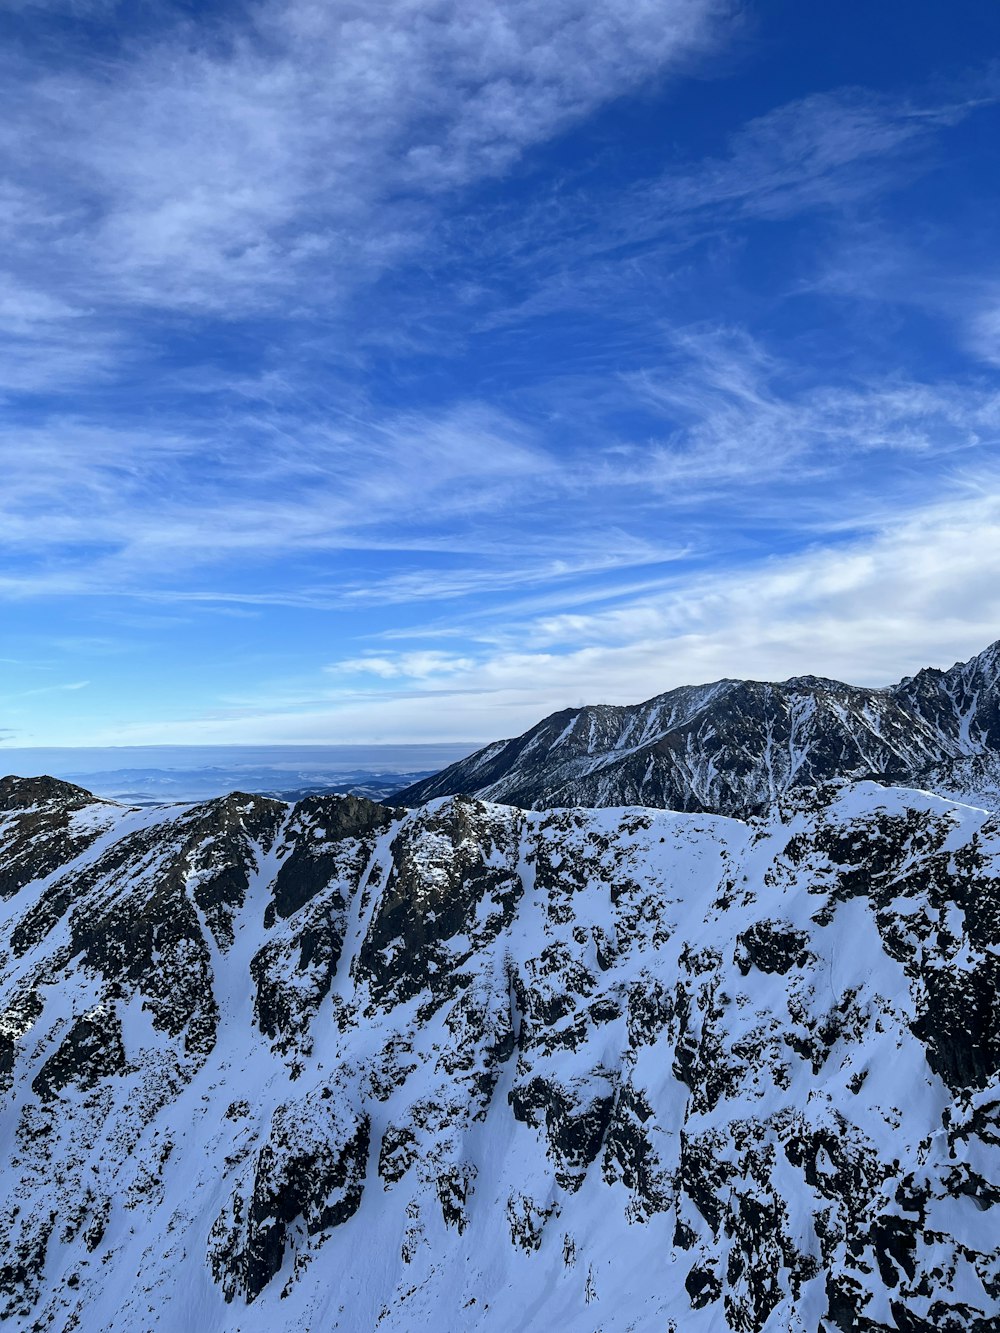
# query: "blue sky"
{"points": [[405, 370]]}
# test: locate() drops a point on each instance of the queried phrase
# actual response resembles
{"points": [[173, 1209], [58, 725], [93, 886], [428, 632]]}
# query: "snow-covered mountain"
{"points": [[733, 746], [338, 1066]]}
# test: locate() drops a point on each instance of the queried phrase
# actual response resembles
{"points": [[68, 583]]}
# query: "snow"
{"points": [[576, 920]]}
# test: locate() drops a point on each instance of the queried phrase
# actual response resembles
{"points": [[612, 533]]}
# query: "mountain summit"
{"points": [[733, 746]]}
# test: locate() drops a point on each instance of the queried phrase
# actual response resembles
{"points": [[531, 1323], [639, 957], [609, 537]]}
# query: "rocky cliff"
{"points": [[339, 1066]]}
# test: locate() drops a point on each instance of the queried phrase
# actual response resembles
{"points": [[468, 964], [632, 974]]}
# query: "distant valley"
{"points": [[167, 775], [159, 786]]}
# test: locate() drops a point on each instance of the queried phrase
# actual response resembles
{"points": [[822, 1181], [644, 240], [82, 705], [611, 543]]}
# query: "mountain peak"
{"points": [[733, 746], [18, 793]]}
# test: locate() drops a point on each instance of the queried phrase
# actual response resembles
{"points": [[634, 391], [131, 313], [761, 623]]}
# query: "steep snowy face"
{"points": [[963, 703], [732, 747], [474, 1067]]}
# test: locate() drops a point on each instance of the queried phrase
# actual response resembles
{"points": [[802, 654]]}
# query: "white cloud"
{"points": [[984, 329], [740, 419], [118, 508], [78, 8], [881, 267], [222, 162], [814, 152], [598, 553], [100, 511], [408, 666], [922, 591], [827, 152], [69, 686]]}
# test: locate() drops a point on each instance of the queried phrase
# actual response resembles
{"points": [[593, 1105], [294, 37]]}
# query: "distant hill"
{"points": [[171, 786]]}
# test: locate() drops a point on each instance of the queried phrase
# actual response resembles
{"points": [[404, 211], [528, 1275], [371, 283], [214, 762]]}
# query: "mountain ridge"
{"points": [[337, 1065], [732, 746]]}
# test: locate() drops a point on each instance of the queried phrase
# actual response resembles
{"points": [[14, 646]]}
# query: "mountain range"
{"points": [[733, 746], [336, 1064]]}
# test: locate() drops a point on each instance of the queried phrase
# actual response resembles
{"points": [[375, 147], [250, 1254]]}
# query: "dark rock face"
{"points": [[92, 1050], [734, 746], [439, 877], [340, 1066], [42, 795], [771, 947], [44, 824], [320, 825], [311, 1169], [575, 1127]]}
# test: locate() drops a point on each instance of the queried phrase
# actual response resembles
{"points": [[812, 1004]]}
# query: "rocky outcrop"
{"points": [[476, 1067]]}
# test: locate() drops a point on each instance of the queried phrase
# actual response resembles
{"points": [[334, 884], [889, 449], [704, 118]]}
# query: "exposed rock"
{"points": [[474, 1067]]}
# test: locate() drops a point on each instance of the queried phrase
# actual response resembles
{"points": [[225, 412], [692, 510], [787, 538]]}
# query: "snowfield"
{"points": [[339, 1066]]}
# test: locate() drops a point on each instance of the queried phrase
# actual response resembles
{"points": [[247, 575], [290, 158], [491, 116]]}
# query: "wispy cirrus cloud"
{"points": [[117, 500], [740, 414], [926, 583], [406, 336], [72, 686], [582, 247], [825, 150], [418, 666], [68, 686], [596, 554], [923, 592], [222, 161], [486, 494], [983, 326]]}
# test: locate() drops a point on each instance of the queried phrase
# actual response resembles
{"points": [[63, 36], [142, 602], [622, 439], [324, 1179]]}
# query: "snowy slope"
{"points": [[335, 1066], [733, 746]]}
